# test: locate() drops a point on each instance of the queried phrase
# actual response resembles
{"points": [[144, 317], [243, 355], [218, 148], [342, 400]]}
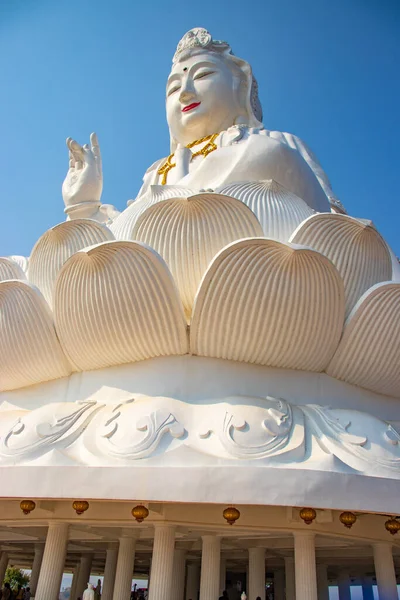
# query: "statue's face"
{"points": [[202, 97]]}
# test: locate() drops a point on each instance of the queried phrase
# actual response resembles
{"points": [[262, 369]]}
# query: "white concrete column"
{"points": [[74, 584], [367, 590], [384, 571], [178, 574], [343, 582], [210, 567], [85, 568], [256, 583], [304, 566], [149, 576], [290, 589], [322, 582], [124, 570], [48, 587], [222, 575], [192, 581], [37, 563], [162, 562], [279, 585], [109, 573], [3, 566]]}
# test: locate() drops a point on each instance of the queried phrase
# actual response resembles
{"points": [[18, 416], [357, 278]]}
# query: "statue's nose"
{"points": [[186, 94]]}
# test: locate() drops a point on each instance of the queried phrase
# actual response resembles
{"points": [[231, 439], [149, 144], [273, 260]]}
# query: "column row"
{"points": [[301, 580]]}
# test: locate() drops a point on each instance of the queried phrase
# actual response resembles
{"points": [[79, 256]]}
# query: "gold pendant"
{"points": [[205, 151], [165, 169]]}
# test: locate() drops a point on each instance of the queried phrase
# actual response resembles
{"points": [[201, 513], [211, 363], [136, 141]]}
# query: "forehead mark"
{"points": [[176, 75]]}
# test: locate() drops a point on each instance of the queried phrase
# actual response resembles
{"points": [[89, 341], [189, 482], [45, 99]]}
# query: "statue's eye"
{"points": [[173, 89], [203, 74]]}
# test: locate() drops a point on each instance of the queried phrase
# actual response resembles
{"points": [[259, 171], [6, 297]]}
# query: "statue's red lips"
{"points": [[191, 106]]}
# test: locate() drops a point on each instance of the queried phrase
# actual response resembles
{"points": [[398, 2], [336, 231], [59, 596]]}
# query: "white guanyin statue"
{"points": [[217, 138], [233, 310]]}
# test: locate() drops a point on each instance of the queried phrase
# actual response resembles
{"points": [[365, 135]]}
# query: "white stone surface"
{"points": [[299, 320], [296, 325], [354, 246], [369, 350], [192, 581], [113, 425], [279, 211], [36, 566], [256, 584], [238, 427], [279, 585], [178, 574], [210, 567], [290, 579], [304, 565], [274, 379], [83, 184], [125, 564], [385, 572], [29, 349], [9, 269], [135, 312], [222, 575], [74, 583], [162, 562], [56, 246], [189, 232], [123, 226], [52, 568], [84, 573], [109, 573]]}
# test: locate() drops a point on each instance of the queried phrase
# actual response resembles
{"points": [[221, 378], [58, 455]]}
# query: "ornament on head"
{"points": [[200, 40]]}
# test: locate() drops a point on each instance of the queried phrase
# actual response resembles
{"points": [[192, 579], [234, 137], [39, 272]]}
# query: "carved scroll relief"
{"points": [[268, 430]]}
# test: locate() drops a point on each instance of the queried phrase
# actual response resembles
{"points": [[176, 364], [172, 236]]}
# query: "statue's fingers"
{"points": [[71, 160], [94, 143], [88, 154], [76, 149]]}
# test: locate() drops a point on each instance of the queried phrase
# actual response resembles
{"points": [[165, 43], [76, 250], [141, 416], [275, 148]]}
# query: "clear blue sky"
{"points": [[328, 71]]}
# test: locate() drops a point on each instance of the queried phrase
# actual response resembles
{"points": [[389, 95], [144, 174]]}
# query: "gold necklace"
{"points": [[205, 151]]}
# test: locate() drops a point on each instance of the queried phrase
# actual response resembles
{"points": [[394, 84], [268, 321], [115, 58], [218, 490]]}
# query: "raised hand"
{"points": [[84, 180]]}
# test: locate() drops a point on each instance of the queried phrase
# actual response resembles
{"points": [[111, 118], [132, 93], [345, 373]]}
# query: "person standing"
{"points": [[97, 590], [89, 593], [6, 592]]}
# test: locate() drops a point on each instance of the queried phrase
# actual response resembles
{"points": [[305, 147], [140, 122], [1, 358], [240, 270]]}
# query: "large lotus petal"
{"points": [[188, 233], [116, 303], [29, 349], [124, 225], [355, 247], [369, 351], [22, 261], [278, 210], [57, 245], [10, 269], [268, 303]]}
